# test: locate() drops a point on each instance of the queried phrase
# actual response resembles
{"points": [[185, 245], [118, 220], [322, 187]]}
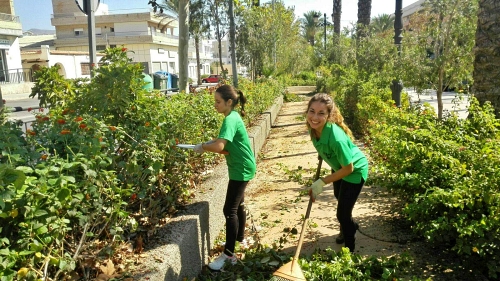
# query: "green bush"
{"points": [[448, 172]]}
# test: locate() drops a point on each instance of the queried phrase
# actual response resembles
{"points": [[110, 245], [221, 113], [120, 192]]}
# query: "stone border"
{"points": [[184, 243]]}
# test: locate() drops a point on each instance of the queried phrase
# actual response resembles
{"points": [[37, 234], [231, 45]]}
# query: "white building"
{"points": [[150, 39], [72, 64], [410, 10], [10, 57]]}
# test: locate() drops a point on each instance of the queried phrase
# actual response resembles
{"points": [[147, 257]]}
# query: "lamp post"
{"points": [[324, 29], [397, 84]]}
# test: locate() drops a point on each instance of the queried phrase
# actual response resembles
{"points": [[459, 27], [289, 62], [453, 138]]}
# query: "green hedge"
{"points": [[447, 170]]}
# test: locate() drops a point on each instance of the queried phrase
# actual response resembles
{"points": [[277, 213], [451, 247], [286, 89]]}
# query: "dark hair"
{"points": [[228, 92], [334, 115]]}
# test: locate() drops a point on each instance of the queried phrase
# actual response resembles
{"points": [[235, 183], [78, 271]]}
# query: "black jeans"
{"points": [[347, 194], [234, 212]]}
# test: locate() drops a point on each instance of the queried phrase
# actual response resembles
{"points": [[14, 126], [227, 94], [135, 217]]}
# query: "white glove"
{"points": [[199, 148], [316, 188]]}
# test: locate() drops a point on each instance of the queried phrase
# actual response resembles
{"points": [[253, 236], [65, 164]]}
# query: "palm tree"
{"points": [[337, 11], [364, 13], [309, 25], [382, 23], [487, 57]]}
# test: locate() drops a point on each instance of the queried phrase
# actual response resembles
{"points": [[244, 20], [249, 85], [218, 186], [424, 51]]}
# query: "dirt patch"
{"points": [[275, 204]]}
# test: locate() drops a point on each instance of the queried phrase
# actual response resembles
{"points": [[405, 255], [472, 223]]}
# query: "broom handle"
{"points": [[308, 212]]}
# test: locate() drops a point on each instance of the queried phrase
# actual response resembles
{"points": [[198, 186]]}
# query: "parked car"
{"points": [[214, 78]]}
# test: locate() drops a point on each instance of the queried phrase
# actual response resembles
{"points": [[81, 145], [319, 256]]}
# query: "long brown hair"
{"points": [[228, 92], [334, 115]]}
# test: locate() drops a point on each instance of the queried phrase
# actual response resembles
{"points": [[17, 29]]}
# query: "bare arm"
{"points": [[339, 174], [216, 146]]}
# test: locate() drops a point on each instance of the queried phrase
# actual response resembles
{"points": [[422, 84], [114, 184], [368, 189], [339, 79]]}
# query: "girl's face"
{"points": [[221, 105], [317, 115]]}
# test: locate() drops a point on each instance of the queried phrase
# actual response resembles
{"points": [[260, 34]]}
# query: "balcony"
{"points": [[10, 25], [118, 38]]}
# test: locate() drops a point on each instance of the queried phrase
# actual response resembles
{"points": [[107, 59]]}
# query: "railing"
{"points": [[16, 75], [115, 34], [106, 13], [9, 17]]}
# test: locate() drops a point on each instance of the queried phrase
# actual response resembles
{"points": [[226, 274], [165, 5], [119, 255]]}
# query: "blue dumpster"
{"points": [[172, 79]]}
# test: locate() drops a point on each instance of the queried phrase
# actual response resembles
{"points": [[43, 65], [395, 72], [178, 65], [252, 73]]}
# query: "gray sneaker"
{"points": [[220, 261]]}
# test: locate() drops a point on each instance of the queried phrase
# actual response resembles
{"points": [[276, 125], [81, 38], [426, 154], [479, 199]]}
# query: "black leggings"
{"points": [[234, 212], [347, 194]]}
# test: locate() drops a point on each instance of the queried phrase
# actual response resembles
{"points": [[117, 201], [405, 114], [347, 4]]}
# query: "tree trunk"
{"points": [[364, 13], [487, 55], [439, 93], [198, 63], [219, 38], [337, 11], [183, 45], [232, 34]]}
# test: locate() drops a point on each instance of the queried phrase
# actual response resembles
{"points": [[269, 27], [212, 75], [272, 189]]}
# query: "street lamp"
{"points": [[397, 84], [316, 23], [324, 29]]}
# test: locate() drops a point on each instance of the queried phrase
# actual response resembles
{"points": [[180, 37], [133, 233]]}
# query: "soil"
{"points": [[274, 202]]}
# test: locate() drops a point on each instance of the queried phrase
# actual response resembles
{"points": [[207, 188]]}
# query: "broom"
{"points": [[291, 271]]}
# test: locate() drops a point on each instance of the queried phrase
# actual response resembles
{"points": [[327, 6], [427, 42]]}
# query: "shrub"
{"points": [[448, 172]]}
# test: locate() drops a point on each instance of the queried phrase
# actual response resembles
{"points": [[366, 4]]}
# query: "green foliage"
{"points": [[304, 78], [261, 97], [260, 263], [268, 41], [448, 172], [52, 89], [439, 49]]}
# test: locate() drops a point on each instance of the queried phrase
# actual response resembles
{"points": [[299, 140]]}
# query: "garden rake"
{"points": [[291, 271]]}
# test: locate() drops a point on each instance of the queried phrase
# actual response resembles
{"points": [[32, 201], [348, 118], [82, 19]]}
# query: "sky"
{"points": [[37, 13]]}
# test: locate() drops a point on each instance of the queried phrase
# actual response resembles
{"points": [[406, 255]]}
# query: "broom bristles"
{"points": [[278, 278]]}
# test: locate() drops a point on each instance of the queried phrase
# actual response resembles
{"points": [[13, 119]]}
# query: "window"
{"points": [[112, 29], [85, 66], [78, 31], [98, 31]]}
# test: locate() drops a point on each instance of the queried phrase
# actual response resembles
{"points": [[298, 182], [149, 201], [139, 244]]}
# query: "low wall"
{"points": [[16, 88], [182, 246]]}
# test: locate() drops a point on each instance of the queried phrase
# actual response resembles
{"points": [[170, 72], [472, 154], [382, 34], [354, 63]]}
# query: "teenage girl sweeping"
{"points": [[333, 140]]}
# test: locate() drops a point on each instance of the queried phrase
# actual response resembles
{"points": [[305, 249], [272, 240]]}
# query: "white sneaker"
{"points": [[219, 262]]}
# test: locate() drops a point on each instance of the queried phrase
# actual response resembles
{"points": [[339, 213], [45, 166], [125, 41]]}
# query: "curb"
{"points": [[183, 244]]}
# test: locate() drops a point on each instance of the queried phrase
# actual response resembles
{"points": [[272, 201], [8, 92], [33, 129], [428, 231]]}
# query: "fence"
{"points": [[16, 75]]}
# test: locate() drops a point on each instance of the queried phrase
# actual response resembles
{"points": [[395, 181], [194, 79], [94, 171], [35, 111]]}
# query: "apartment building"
{"points": [[410, 10], [10, 31], [150, 39]]}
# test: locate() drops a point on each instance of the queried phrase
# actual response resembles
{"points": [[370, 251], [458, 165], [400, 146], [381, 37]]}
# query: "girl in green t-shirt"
{"points": [[333, 140], [240, 160]]}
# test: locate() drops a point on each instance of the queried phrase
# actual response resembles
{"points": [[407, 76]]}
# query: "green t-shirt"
{"points": [[240, 160], [337, 149]]}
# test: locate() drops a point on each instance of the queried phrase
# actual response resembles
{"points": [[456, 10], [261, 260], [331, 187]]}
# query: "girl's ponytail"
{"points": [[242, 100]]}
